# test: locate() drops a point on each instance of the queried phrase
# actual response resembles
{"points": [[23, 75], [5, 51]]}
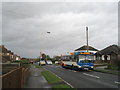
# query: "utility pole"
{"points": [[87, 42], [87, 38]]}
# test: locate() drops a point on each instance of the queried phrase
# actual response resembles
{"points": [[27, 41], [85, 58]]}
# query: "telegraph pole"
{"points": [[86, 57], [87, 38]]}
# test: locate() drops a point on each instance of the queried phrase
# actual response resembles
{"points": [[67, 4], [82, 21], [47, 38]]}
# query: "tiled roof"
{"points": [[109, 49], [4, 50], [85, 48]]}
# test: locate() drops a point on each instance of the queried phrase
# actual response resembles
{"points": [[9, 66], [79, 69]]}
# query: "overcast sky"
{"points": [[25, 26]]}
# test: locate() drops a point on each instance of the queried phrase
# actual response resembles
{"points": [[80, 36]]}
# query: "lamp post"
{"points": [[41, 52]]}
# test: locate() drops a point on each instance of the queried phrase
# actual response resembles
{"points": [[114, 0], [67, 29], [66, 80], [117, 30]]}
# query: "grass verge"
{"points": [[111, 72], [56, 82], [61, 86], [37, 66], [50, 77]]}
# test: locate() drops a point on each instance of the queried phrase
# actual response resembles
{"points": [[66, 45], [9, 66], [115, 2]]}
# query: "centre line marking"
{"points": [[117, 82], [91, 75], [74, 71]]}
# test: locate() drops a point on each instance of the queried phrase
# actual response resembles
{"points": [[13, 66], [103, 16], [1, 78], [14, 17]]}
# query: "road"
{"points": [[85, 79]]}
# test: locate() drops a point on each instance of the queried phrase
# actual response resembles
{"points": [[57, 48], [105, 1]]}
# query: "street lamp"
{"points": [[41, 52], [48, 32]]}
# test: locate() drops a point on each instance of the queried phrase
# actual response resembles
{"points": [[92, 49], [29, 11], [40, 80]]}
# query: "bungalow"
{"points": [[108, 54], [82, 56], [57, 58]]}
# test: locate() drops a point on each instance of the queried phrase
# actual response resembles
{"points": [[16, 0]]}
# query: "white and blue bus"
{"points": [[80, 64]]}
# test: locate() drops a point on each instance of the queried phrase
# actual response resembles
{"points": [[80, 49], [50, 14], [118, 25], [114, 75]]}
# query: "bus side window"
{"points": [[81, 61]]}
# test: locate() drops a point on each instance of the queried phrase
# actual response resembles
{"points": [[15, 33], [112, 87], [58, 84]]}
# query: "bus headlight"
{"points": [[91, 66], [79, 66]]}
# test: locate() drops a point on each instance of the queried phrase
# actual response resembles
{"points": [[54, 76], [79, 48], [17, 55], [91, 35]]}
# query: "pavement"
{"points": [[35, 79]]}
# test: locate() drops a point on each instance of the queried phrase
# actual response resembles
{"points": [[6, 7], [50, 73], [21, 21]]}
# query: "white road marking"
{"points": [[74, 71], [91, 75], [35, 75], [117, 82]]}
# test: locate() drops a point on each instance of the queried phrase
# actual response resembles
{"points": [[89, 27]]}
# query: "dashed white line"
{"points": [[117, 82], [91, 75], [74, 71]]}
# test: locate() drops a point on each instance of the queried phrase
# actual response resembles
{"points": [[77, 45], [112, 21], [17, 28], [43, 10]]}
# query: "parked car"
{"points": [[49, 62], [56, 62], [42, 62], [37, 63]]}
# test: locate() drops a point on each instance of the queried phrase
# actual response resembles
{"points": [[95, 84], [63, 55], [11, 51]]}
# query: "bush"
{"points": [[24, 61], [112, 67]]}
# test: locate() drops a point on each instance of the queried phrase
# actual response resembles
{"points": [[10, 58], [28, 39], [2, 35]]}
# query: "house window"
{"points": [[98, 57], [8, 54]]}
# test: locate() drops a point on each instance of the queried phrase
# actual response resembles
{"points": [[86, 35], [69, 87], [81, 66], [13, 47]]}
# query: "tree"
{"points": [[48, 57], [43, 56]]}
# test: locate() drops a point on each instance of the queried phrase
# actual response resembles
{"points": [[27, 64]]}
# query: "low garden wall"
{"points": [[14, 77]]}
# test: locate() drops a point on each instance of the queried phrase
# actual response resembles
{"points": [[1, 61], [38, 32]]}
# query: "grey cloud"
{"points": [[25, 26], [30, 9]]}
